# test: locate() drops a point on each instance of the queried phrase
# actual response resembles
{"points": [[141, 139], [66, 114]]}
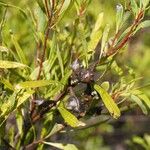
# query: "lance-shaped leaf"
{"points": [[145, 2], [7, 84], [19, 50], [96, 34], [41, 5], [142, 96], [60, 61], [134, 7], [69, 118], [10, 64], [24, 97], [34, 84], [119, 17], [144, 24], [108, 102], [62, 146], [104, 38], [140, 104]]}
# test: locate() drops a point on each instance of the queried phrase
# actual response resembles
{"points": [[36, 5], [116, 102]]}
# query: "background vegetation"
{"points": [[74, 74]]}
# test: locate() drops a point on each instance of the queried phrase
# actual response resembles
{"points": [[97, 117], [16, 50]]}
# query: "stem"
{"points": [[50, 16], [112, 50]]}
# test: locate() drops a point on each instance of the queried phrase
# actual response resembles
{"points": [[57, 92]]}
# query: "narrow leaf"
{"points": [[134, 7], [105, 85], [62, 146], [60, 61], [7, 84], [104, 38], [34, 84], [108, 102], [69, 118], [142, 96], [10, 64], [19, 50], [96, 34], [144, 24], [145, 3], [24, 97], [140, 104], [119, 17]]}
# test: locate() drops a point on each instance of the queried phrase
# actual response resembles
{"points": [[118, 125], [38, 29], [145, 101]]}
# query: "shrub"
{"points": [[59, 68]]}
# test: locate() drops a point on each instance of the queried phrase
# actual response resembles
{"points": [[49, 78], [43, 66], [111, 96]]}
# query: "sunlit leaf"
{"points": [[19, 51], [134, 7], [96, 33], [105, 85], [104, 38], [62, 146], [8, 105], [10, 64], [24, 97], [145, 3], [7, 84], [108, 102], [69, 118], [119, 17], [34, 84]]}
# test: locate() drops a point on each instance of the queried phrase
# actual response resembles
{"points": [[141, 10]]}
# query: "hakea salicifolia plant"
{"points": [[83, 95], [81, 103]]}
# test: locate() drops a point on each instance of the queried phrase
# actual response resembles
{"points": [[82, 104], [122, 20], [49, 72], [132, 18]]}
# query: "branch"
{"points": [[114, 50], [50, 16]]}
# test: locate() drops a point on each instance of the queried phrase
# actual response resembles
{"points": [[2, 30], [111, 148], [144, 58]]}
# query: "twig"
{"points": [[50, 16], [112, 50]]}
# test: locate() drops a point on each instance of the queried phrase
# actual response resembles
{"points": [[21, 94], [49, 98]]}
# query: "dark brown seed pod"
{"points": [[86, 76], [73, 104]]}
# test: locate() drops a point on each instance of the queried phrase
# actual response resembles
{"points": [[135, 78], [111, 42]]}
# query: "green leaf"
{"points": [[69, 118], [62, 146], [10, 64], [105, 85], [142, 96], [65, 6], [134, 7], [119, 17], [140, 104], [60, 61], [63, 81], [7, 84], [19, 50], [143, 24], [145, 3], [140, 141], [108, 102], [41, 5], [104, 38], [24, 97], [34, 84], [96, 34], [8, 105], [19, 120], [55, 129]]}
